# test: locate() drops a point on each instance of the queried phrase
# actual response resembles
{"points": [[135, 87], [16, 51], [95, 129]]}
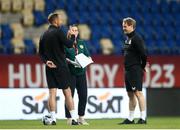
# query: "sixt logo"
{"points": [[36, 104], [104, 103]]}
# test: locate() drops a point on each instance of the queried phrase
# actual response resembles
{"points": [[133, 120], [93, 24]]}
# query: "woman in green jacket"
{"points": [[78, 75]]}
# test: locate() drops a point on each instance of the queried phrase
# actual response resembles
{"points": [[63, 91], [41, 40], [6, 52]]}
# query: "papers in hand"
{"points": [[75, 63], [83, 60]]}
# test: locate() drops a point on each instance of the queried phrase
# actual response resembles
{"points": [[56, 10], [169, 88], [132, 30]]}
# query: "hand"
{"points": [[75, 63], [72, 31], [50, 64], [146, 69]]}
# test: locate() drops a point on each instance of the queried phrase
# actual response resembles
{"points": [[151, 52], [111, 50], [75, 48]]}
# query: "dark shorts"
{"points": [[134, 78], [58, 78]]}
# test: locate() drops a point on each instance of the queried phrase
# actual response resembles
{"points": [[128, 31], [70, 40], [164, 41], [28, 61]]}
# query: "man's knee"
{"points": [[67, 92], [138, 94], [131, 95], [52, 92]]}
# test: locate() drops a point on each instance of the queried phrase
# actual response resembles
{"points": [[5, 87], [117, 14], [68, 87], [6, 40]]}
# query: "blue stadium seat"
{"points": [[30, 46], [118, 46], [6, 31], [8, 48], [40, 18], [157, 21]]}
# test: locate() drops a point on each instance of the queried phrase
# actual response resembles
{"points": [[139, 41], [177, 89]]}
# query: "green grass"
{"points": [[153, 123]]}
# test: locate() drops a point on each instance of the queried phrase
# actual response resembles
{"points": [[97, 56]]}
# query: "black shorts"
{"points": [[58, 77], [134, 78]]}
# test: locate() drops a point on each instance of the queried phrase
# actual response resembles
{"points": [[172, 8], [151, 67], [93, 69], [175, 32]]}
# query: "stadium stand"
{"points": [[107, 46], [158, 22]]}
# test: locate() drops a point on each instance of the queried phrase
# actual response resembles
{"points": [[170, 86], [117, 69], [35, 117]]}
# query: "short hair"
{"points": [[52, 17], [74, 25], [130, 21]]}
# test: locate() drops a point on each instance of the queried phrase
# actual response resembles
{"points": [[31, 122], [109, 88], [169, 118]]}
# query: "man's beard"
{"points": [[125, 31]]}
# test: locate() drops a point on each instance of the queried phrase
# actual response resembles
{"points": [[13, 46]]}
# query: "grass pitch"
{"points": [[152, 123]]}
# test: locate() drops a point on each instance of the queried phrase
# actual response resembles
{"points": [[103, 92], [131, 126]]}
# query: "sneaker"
{"points": [[141, 121], [127, 121], [53, 123], [48, 120], [82, 121], [74, 122]]}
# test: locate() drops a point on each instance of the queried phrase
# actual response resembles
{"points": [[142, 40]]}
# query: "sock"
{"points": [[143, 115], [131, 115], [53, 115], [72, 112], [81, 117]]}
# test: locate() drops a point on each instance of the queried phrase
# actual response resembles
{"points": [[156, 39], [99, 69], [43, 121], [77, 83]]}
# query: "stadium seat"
{"points": [[30, 46], [84, 32], [28, 18], [8, 49], [174, 7], [39, 18], [17, 5], [60, 4], [118, 47], [96, 46], [39, 5], [28, 4], [18, 30], [5, 5], [157, 21], [107, 46], [6, 31], [18, 45]]}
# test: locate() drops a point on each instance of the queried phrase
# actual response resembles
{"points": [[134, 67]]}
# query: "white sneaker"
{"points": [[48, 120], [82, 121]]}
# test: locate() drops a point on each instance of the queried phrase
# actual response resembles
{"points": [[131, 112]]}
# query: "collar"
{"points": [[130, 35], [52, 26]]}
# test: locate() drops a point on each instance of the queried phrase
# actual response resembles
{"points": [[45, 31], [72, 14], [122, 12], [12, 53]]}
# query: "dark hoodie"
{"points": [[134, 51], [51, 46]]}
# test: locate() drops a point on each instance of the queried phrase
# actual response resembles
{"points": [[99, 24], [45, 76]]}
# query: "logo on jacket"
{"points": [[128, 41], [81, 46]]}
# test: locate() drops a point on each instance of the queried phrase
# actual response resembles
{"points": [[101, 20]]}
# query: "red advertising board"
{"points": [[18, 71]]}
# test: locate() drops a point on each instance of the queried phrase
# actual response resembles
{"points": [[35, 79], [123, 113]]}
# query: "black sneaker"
{"points": [[141, 121], [74, 122], [53, 123], [127, 121]]}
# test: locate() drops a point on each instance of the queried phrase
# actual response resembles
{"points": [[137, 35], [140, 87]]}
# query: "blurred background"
{"points": [[99, 21]]}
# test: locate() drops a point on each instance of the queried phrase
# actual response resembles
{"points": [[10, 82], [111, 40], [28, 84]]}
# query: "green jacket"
{"points": [[71, 53]]}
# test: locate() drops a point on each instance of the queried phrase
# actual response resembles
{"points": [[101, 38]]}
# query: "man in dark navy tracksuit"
{"points": [[134, 61], [52, 53]]}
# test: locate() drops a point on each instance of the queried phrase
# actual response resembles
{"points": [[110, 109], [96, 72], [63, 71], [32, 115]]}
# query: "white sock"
{"points": [[53, 115], [143, 115], [131, 115], [72, 112], [81, 118]]}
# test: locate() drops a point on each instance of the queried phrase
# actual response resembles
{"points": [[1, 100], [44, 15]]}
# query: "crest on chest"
{"points": [[81, 46], [128, 42]]}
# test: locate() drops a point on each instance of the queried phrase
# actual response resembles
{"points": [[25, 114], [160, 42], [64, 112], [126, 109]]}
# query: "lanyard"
{"points": [[76, 48]]}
